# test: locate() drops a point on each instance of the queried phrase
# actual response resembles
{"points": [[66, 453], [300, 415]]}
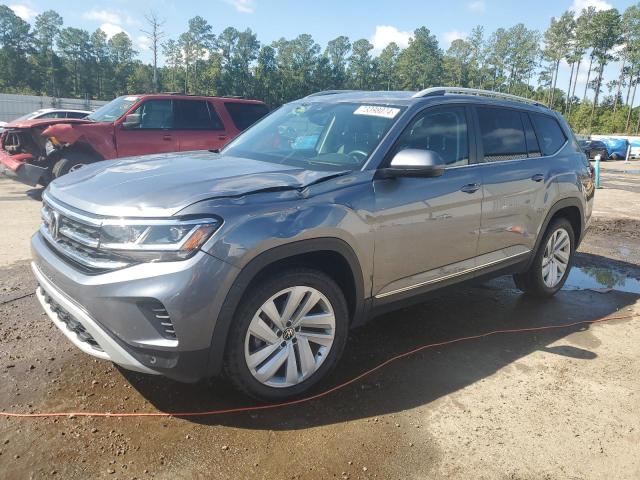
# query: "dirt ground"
{"points": [[558, 404]]}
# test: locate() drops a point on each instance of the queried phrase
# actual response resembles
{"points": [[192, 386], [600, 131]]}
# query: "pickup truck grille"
{"points": [[76, 237]]}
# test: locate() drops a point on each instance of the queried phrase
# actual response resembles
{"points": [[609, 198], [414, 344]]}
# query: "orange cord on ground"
{"points": [[318, 395]]}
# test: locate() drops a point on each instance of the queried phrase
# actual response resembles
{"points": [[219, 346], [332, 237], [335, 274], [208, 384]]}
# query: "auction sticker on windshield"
{"points": [[376, 111]]}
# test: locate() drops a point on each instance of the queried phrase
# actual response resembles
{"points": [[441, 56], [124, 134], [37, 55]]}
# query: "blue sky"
{"points": [[377, 20]]}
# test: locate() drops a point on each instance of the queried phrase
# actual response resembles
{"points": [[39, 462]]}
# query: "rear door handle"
{"points": [[166, 137], [222, 137], [470, 188], [538, 177]]}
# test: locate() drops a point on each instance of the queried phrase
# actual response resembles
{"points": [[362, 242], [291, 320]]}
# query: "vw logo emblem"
{"points": [[288, 334]]}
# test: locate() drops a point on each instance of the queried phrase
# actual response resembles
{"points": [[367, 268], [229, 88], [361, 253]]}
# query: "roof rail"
{"points": [[329, 92], [437, 91]]}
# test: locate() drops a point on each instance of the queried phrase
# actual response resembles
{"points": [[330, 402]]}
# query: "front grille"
{"points": [[71, 322], [76, 237]]}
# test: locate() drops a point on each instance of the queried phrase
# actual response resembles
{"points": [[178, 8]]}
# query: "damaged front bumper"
{"points": [[16, 167]]}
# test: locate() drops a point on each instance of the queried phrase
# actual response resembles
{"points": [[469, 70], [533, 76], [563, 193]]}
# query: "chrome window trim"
{"points": [[501, 162], [451, 275]]}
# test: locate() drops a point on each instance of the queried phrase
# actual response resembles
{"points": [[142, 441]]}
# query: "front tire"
{"points": [[70, 162], [288, 333], [552, 262]]}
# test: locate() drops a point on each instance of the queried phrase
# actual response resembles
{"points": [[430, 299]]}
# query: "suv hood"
{"points": [[162, 185]]}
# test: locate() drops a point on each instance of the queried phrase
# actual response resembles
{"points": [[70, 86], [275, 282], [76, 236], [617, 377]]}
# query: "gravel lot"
{"points": [[560, 404]]}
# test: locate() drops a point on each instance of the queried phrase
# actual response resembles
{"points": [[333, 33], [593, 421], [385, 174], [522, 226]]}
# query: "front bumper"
{"points": [[16, 167], [108, 307], [91, 338]]}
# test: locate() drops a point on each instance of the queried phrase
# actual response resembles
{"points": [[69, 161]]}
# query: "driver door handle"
{"points": [[470, 188]]}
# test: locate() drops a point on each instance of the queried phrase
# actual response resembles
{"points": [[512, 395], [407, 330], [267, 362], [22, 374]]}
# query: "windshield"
{"points": [[317, 136], [112, 110]]}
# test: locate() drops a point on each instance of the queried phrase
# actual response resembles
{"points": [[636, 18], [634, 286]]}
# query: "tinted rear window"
{"points": [[245, 114], [195, 115], [502, 134], [550, 135]]}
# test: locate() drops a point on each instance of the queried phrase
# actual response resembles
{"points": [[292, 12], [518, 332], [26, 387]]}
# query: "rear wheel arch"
{"points": [[331, 256], [569, 208]]}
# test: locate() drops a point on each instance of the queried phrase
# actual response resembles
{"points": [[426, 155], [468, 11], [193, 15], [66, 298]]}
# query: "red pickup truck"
{"points": [[36, 151]]}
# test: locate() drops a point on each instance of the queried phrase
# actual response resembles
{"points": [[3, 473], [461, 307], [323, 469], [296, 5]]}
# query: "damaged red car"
{"points": [[37, 151]]}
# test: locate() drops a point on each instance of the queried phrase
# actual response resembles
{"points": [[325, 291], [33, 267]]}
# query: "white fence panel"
{"points": [[13, 106]]}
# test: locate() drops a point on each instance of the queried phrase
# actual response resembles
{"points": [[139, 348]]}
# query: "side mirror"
{"points": [[412, 162], [131, 121]]}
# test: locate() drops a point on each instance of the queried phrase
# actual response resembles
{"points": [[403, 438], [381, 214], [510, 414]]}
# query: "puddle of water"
{"points": [[598, 278]]}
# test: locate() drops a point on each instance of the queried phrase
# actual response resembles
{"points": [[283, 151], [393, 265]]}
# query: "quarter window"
{"points": [[502, 134], [196, 115], [442, 130], [551, 136]]}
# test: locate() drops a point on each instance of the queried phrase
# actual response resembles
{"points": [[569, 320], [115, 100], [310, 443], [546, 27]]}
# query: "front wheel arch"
{"points": [[284, 255], [66, 158]]}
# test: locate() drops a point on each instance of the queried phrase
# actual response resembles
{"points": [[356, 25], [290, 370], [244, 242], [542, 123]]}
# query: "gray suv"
{"points": [[257, 260]]}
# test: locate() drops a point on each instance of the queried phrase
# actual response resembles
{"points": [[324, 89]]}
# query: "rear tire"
{"points": [[552, 262], [71, 161], [288, 333]]}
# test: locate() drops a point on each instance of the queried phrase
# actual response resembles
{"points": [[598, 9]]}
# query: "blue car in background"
{"points": [[617, 147], [635, 148]]}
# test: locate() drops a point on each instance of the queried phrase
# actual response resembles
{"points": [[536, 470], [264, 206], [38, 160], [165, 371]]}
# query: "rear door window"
{"points": [[502, 134], [550, 134], [196, 115], [245, 114]]}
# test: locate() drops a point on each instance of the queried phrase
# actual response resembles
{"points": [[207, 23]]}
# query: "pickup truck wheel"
{"points": [[552, 263], [70, 162], [288, 333]]}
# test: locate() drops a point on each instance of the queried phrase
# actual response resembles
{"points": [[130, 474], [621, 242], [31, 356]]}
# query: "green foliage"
{"points": [[420, 64], [50, 58]]}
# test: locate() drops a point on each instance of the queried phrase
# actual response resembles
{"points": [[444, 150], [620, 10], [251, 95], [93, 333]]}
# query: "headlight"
{"points": [[156, 240]]}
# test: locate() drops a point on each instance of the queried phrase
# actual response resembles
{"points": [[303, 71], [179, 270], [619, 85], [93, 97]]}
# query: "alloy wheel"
{"points": [[555, 260], [290, 336]]}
